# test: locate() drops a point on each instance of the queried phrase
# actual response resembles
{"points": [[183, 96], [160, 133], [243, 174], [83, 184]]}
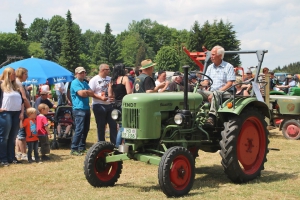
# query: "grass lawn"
{"points": [[63, 178]]}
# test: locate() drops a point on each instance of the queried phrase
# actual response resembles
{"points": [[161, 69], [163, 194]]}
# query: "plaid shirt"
{"points": [[220, 74]]}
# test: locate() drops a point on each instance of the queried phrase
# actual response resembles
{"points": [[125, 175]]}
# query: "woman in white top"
{"points": [[161, 77], [11, 112]]}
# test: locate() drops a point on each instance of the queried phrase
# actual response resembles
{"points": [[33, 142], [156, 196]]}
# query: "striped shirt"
{"points": [[220, 74]]}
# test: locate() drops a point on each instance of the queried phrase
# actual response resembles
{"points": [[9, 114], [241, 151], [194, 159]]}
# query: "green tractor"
{"points": [[285, 110], [167, 130]]}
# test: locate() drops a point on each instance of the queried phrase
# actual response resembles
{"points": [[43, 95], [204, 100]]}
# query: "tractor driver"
{"points": [[144, 83], [223, 76]]}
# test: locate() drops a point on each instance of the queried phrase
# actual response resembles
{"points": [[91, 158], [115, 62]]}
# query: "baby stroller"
{"points": [[61, 135]]}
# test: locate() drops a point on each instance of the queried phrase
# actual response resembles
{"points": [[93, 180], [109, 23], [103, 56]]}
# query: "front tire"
{"points": [[97, 172], [291, 129], [244, 146], [176, 171]]}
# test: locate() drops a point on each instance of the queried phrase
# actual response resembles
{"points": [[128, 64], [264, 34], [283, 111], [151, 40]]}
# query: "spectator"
{"points": [[290, 82], [102, 107], [273, 82], [22, 75], [67, 122], [31, 135], [131, 77], [177, 85], [137, 71], [43, 99], [161, 78], [223, 76], [43, 130], [249, 76], [193, 79], [59, 89], [11, 112], [239, 90], [144, 82], [44, 87], [119, 87], [80, 93]]}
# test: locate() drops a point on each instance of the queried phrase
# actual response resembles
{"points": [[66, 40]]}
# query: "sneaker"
{"points": [[24, 157], [19, 156], [83, 151], [75, 153], [16, 162], [33, 158], [5, 164], [44, 157]]}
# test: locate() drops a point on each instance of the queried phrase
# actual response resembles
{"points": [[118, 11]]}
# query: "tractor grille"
{"points": [[131, 118]]}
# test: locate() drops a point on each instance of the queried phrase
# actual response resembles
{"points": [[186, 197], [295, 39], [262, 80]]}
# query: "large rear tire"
{"points": [[97, 172], [176, 171], [291, 129], [244, 146]]}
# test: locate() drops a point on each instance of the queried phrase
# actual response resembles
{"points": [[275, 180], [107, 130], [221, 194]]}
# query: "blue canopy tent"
{"points": [[40, 70]]}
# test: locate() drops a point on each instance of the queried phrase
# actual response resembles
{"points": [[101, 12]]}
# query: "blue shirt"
{"points": [[78, 101], [220, 74]]}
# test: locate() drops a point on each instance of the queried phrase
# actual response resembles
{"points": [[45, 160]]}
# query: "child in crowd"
{"points": [[21, 143], [31, 135], [65, 121], [43, 130]]}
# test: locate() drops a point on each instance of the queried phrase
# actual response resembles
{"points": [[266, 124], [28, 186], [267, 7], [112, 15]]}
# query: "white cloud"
{"points": [[260, 24]]}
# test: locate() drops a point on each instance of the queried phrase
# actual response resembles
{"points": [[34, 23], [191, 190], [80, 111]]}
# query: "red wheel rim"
{"points": [[104, 171], [180, 173], [292, 130], [251, 145]]}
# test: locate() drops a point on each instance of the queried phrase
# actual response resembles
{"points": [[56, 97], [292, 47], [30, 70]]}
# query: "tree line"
{"points": [[61, 40]]}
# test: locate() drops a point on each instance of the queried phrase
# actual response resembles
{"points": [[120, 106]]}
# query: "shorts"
{"points": [[21, 134], [45, 145]]}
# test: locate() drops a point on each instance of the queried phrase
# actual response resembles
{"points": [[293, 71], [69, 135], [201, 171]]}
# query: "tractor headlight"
{"points": [[178, 118], [115, 114]]}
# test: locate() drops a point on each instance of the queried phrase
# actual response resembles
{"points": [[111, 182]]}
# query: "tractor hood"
{"points": [[166, 101]]}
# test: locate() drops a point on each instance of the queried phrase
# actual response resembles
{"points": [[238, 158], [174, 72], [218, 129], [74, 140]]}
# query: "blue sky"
{"points": [[260, 24]]}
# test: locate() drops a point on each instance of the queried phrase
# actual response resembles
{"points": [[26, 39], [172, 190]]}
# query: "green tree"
{"points": [[37, 29], [153, 33], [51, 43], [167, 59], [134, 50], [106, 50], [70, 55], [292, 68], [89, 42], [13, 45], [20, 28], [222, 34], [35, 50]]}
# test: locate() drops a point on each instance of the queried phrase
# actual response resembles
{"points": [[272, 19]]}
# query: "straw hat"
{"points": [[289, 76], [147, 63]]}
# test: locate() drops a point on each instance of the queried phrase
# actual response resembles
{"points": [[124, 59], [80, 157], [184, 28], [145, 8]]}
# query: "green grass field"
{"points": [[63, 177]]}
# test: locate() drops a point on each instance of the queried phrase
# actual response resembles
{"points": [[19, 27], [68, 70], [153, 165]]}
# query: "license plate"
{"points": [[129, 133]]}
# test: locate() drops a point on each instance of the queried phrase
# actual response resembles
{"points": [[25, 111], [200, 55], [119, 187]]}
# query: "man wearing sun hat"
{"points": [[144, 83]]}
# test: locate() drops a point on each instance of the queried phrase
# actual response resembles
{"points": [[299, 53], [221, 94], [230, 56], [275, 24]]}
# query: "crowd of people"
{"points": [[23, 127]]}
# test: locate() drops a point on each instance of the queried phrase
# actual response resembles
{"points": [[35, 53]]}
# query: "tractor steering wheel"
{"points": [[202, 79]]}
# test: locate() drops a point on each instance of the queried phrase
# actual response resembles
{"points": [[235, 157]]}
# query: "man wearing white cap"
{"points": [[80, 93]]}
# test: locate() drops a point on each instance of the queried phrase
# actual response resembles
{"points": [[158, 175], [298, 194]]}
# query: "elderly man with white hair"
{"points": [[223, 76]]}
